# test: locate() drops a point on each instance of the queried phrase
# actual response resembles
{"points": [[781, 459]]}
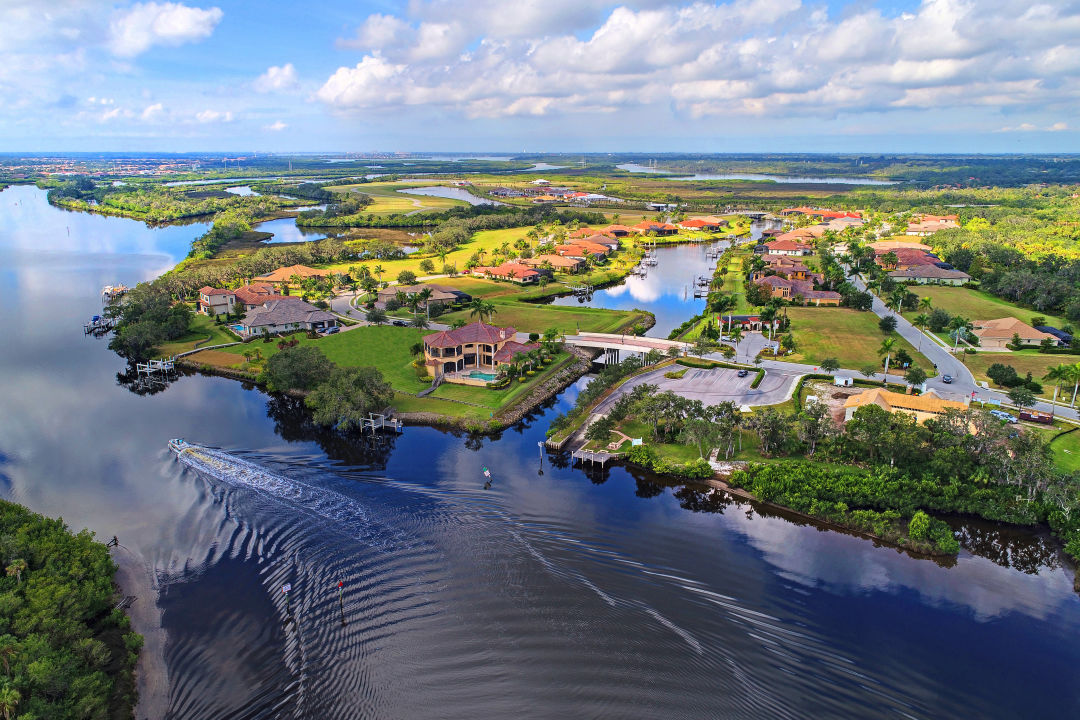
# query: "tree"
{"points": [[887, 324], [886, 349], [297, 368], [17, 568], [378, 271], [600, 430], [700, 430], [915, 376], [703, 346], [376, 316], [925, 304], [959, 326], [653, 356], [1021, 397], [1059, 374], [9, 700], [673, 351], [829, 365], [920, 322], [938, 320], [9, 646], [869, 371], [406, 277], [346, 398], [813, 424], [1003, 375], [482, 308], [427, 266], [919, 527], [736, 335], [771, 427]]}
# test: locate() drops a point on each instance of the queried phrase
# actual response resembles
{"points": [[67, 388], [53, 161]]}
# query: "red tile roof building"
{"points": [[453, 354], [515, 272]]}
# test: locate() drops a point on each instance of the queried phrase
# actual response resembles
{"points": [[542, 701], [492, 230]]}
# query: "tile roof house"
{"points": [[814, 212], [286, 274], [512, 271], [256, 294], [930, 224], [220, 302], [789, 247], [582, 249], [441, 295], [923, 407], [560, 263], [583, 233], [453, 355], [285, 315], [785, 289], [997, 334], [658, 228], [787, 267], [619, 230], [931, 275], [700, 224]]}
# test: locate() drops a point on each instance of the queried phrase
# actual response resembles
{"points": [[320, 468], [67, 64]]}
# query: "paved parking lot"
{"points": [[714, 386]]}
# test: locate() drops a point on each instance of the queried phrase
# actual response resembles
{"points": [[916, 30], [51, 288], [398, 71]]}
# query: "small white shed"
{"points": [[842, 381]]}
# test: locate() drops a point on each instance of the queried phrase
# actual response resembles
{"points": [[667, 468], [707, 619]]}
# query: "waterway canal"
{"points": [[554, 593]]}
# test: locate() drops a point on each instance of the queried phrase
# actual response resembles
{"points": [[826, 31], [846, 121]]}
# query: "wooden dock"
{"points": [[593, 456]]}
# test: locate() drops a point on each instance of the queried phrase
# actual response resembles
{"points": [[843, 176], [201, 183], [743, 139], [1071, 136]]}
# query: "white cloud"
{"points": [[212, 116], [277, 79], [774, 58], [152, 113], [137, 29], [276, 126]]}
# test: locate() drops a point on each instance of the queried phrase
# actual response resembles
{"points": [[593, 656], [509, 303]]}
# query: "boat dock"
{"points": [[379, 421], [593, 456], [99, 324]]}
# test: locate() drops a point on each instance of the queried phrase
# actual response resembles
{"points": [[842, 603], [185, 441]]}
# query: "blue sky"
{"points": [[541, 75]]}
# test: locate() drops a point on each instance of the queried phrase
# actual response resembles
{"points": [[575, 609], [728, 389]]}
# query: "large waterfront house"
{"points": [[559, 263], [657, 228], [512, 271], [782, 288], [471, 355], [789, 247], [285, 315], [923, 407], [441, 295], [243, 298], [997, 334], [582, 249]]}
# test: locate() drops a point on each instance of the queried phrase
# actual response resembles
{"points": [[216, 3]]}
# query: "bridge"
{"points": [[616, 348]]}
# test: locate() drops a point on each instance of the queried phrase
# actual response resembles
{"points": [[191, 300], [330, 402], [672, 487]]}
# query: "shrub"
{"points": [[919, 527]]}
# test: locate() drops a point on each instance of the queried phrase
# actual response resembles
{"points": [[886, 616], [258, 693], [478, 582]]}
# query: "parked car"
{"points": [[399, 323], [743, 373], [332, 330], [947, 379], [1002, 415]]}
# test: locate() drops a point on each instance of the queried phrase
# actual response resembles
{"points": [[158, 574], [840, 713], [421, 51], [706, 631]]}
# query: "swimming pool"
{"points": [[486, 377], [238, 329]]}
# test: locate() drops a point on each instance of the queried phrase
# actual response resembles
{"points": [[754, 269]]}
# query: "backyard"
{"points": [[203, 331]]}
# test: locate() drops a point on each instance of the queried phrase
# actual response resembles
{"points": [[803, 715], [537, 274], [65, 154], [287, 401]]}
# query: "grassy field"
{"points": [[977, 305], [1067, 451], [531, 317], [1024, 361], [735, 283], [385, 347], [850, 336], [387, 200], [202, 329]]}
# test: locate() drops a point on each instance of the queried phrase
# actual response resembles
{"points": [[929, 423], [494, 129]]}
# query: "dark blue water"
{"points": [[554, 593]]}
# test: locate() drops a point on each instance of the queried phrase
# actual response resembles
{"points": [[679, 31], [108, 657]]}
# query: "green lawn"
{"points": [[976, 305], [531, 317], [202, 327], [1024, 361], [850, 336], [1067, 451], [385, 347], [495, 399]]}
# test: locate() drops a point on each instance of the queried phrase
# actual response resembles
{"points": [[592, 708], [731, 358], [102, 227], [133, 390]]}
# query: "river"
{"points": [[554, 593], [667, 288], [799, 179]]}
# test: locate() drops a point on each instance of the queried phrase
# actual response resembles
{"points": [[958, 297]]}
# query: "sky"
{"points": [[540, 76]]}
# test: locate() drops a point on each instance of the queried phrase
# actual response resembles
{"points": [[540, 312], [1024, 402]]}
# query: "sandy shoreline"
{"points": [[151, 673]]}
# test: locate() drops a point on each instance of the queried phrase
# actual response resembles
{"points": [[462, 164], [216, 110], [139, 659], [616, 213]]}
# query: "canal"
{"points": [[554, 592]]}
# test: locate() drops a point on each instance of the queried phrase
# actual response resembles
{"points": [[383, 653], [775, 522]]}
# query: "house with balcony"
{"points": [[472, 354], [213, 301]]}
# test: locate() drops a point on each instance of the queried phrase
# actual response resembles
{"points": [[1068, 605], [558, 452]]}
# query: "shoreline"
{"points": [[134, 577]]}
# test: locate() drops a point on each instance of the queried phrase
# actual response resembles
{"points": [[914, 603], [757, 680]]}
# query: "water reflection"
{"points": [[608, 593]]}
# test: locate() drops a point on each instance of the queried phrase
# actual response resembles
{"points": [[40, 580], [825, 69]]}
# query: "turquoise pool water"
{"points": [[486, 377]]}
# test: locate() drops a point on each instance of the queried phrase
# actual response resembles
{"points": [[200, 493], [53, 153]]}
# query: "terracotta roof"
{"points": [[698, 223], [557, 261], [209, 291], [507, 269], [476, 332], [590, 232], [507, 352], [925, 403], [618, 228], [804, 210], [257, 294], [1006, 328], [787, 245]]}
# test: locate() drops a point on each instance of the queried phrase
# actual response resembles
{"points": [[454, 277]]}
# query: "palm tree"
{"points": [[423, 296], [379, 271], [735, 334], [482, 308], [886, 350], [9, 700], [925, 304], [897, 298], [958, 325], [1059, 374], [920, 321], [17, 568]]}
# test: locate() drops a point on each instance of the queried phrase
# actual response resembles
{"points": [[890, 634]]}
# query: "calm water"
{"points": [[453, 193], [553, 594], [803, 179], [286, 231], [667, 290]]}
